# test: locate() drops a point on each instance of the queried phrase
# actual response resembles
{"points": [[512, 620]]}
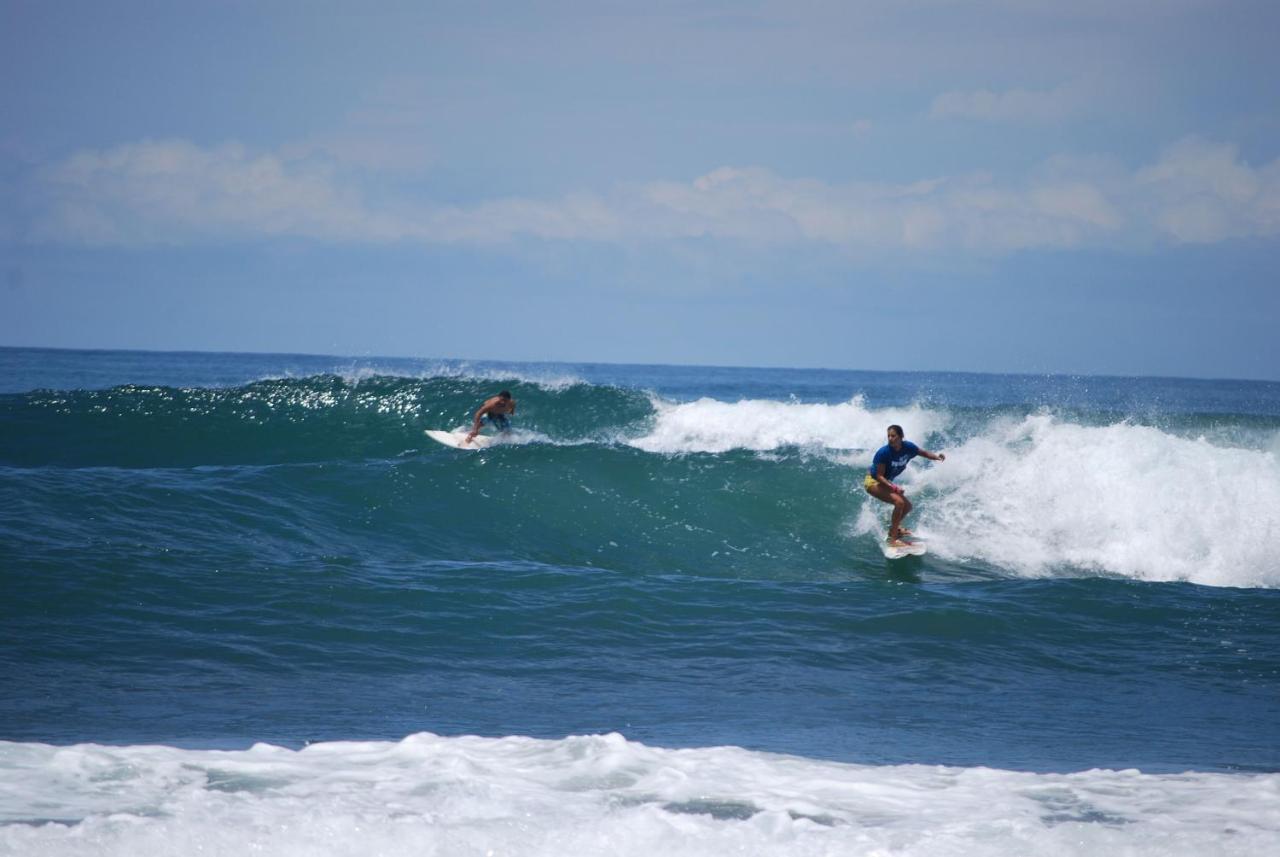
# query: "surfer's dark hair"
{"points": [[505, 394], [898, 429]]}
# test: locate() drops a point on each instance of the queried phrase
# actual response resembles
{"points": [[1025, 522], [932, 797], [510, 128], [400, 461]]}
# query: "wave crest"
{"points": [[1038, 495], [708, 425]]}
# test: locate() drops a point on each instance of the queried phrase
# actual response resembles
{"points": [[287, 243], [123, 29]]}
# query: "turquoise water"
{"points": [[208, 551]]}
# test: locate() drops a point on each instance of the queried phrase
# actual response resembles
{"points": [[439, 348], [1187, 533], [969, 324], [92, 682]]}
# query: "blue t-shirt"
{"points": [[893, 464]]}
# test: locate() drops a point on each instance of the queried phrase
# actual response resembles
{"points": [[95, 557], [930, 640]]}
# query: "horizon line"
{"points": [[499, 362]]}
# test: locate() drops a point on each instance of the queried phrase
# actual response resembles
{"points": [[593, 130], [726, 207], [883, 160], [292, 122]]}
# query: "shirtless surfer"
{"points": [[890, 460], [495, 411]]}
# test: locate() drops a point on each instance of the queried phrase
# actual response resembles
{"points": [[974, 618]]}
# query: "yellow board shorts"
{"points": [[869, 482]]}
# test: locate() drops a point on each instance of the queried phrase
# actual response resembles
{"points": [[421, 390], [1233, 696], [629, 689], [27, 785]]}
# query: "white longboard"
{"points": [[456, 439], [892, 552]]}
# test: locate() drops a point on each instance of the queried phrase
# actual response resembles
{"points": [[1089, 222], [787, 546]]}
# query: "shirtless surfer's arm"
{"points": [[475, 422]]}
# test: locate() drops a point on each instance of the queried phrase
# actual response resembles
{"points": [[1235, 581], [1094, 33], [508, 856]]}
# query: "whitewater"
{"points": [[603, 795]]}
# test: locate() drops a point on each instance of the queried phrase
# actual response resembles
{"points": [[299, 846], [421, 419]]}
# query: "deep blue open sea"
{"points": [[246, 606]]}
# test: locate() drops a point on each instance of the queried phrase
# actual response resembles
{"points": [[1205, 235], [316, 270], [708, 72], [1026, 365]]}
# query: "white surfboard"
{"points": [[893, 552], [457, 439]]}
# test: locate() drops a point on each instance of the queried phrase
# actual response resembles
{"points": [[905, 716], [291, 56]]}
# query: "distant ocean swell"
{"points": [[596, 469]]}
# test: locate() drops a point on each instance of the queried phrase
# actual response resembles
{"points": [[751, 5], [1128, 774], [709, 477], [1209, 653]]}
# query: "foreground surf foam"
{"points": [[600, 795]]}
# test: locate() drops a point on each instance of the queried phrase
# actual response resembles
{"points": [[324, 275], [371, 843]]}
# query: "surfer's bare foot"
{"points": [[898, 543], [904, 531]]}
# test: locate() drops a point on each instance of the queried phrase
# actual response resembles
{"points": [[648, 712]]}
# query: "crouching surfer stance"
{"points": [[494, 411], [891, 460]]}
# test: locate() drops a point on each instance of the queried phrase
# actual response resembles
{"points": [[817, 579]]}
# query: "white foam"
{"points": [[428, 795], [708, 425], [1038, 495]]}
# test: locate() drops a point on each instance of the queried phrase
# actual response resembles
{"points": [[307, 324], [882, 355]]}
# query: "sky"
{"points": [[1086, 187]]}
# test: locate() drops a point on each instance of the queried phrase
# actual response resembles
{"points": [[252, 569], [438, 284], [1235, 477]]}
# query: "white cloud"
{"points": [[1200, 192], [577, 216], [174, 192]]}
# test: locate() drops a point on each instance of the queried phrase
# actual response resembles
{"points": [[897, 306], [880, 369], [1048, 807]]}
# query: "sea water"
{"points": [[246, 606]]}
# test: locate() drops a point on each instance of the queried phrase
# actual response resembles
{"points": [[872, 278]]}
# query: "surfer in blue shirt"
{"points": [[495, 411], [890, 460]]}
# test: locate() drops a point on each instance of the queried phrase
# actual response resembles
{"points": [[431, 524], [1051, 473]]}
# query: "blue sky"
{"points": [[1014, 185]]}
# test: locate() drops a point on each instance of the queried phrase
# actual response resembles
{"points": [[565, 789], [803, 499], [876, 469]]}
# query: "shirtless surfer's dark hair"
{"points": [[505, 394], [898, 429]]}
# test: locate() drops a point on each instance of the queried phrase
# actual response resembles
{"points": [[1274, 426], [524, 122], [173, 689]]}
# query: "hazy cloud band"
{"points": [[174, 192]]}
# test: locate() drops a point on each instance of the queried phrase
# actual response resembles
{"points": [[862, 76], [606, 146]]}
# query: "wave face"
{"points": [[1025, 492], [316, 419], [602, 795]]}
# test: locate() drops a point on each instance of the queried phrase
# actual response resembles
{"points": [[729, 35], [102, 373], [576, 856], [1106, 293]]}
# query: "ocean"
{"points": [[246, 606]]}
